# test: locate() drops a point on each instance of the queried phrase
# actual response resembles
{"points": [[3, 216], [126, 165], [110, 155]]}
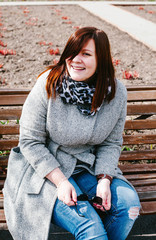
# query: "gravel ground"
{"points": [[31, 31]]}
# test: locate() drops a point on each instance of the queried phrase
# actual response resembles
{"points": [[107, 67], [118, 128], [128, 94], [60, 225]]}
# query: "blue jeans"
{"points": [[115, 224]]}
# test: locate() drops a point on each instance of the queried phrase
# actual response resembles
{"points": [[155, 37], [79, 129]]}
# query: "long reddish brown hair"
{"points": [[105, 74]]}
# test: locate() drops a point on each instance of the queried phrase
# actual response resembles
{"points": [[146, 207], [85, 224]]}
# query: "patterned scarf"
{"points": [[78, 93]]}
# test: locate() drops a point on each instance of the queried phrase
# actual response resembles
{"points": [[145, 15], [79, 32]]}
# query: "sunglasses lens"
{"points": [[82, 197], [97, 200]]}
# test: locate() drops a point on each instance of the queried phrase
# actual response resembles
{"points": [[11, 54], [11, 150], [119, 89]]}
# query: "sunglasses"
{"points": [[96, 202]]}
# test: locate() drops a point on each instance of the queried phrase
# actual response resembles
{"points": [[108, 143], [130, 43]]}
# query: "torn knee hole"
{"points": [[133, 212]]}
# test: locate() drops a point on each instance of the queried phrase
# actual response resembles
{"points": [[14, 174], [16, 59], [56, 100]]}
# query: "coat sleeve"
{"points": [[108, 152], [33, 134]]}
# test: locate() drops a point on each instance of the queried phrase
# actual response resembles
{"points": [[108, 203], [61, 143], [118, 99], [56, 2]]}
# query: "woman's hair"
{"points": [[105, 74]]}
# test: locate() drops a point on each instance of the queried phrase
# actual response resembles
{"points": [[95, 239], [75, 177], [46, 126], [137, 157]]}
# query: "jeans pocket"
{"points": [[17, 166]]}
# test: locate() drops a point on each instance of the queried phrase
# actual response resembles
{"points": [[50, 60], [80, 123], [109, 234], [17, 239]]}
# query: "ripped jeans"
{"points": [[115, 224]]}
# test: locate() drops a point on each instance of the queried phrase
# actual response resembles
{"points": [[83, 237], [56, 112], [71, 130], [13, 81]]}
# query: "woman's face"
{"points": [[83, 66]]}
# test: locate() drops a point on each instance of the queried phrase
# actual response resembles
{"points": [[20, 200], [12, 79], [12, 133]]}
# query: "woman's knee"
{"points": [[127, 200], [132, 203], [91, 230]]}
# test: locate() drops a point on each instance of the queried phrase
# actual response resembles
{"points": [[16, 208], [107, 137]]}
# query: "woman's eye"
{"points": [[86, 54]]}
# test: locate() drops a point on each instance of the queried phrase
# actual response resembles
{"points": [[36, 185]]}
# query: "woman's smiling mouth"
{"points": [[77, 68]]}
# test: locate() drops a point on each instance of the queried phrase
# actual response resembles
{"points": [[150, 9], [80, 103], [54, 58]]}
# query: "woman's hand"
{"points": [[67, 193], [103, 191]]}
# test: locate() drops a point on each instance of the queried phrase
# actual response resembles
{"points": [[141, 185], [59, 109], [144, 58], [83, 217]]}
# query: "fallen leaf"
{"points": [[7, 52], [3, 44], [65, 17], [141, 8], [76, 27], [55, 61], [151, 12], [54, 52]]}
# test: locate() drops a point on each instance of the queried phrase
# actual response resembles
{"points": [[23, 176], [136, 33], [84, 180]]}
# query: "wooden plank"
{"points": [[147, 196], [2, 184], [9, 129], [140, 124], [138, 155], [2, 216], [10, 114], [1, 203], [3, 160], [6, 91], [143, 182], [12, 100], [140, 87], [8, 144], [140, 176], [138, 168], [3, 226], [139, 139], [148, 208], [140, 109], [145, 188], [147, 95]]}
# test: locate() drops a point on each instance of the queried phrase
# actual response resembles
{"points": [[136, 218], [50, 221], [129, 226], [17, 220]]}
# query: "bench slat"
{"points": [[11, 100], [8, 144], [9, 129], [146, 182], [139, 109], [10, 114], [139, 139], [147, 95], [141, 176], [2, 216], [148, 208], [140, 124], [146, 196], [3, 160], [6, 91], [138, 155], [145, 188], [138, 168], [140, 87]]}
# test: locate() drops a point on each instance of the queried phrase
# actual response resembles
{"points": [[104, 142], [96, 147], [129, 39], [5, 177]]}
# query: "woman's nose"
{"points": [[77, 58]]}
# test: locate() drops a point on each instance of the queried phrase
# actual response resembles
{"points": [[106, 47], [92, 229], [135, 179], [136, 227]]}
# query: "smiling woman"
{"points": [[68, 153], [83, 65], [89, 49]]}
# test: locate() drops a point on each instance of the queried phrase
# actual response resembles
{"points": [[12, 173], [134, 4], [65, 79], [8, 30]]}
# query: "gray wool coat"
{"points": [[53, 134]]}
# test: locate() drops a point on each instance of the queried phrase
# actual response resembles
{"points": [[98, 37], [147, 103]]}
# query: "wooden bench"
{"points": [[138, 162]]}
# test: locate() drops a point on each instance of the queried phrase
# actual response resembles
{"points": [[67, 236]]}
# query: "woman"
{"points": [[65, 170]]}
